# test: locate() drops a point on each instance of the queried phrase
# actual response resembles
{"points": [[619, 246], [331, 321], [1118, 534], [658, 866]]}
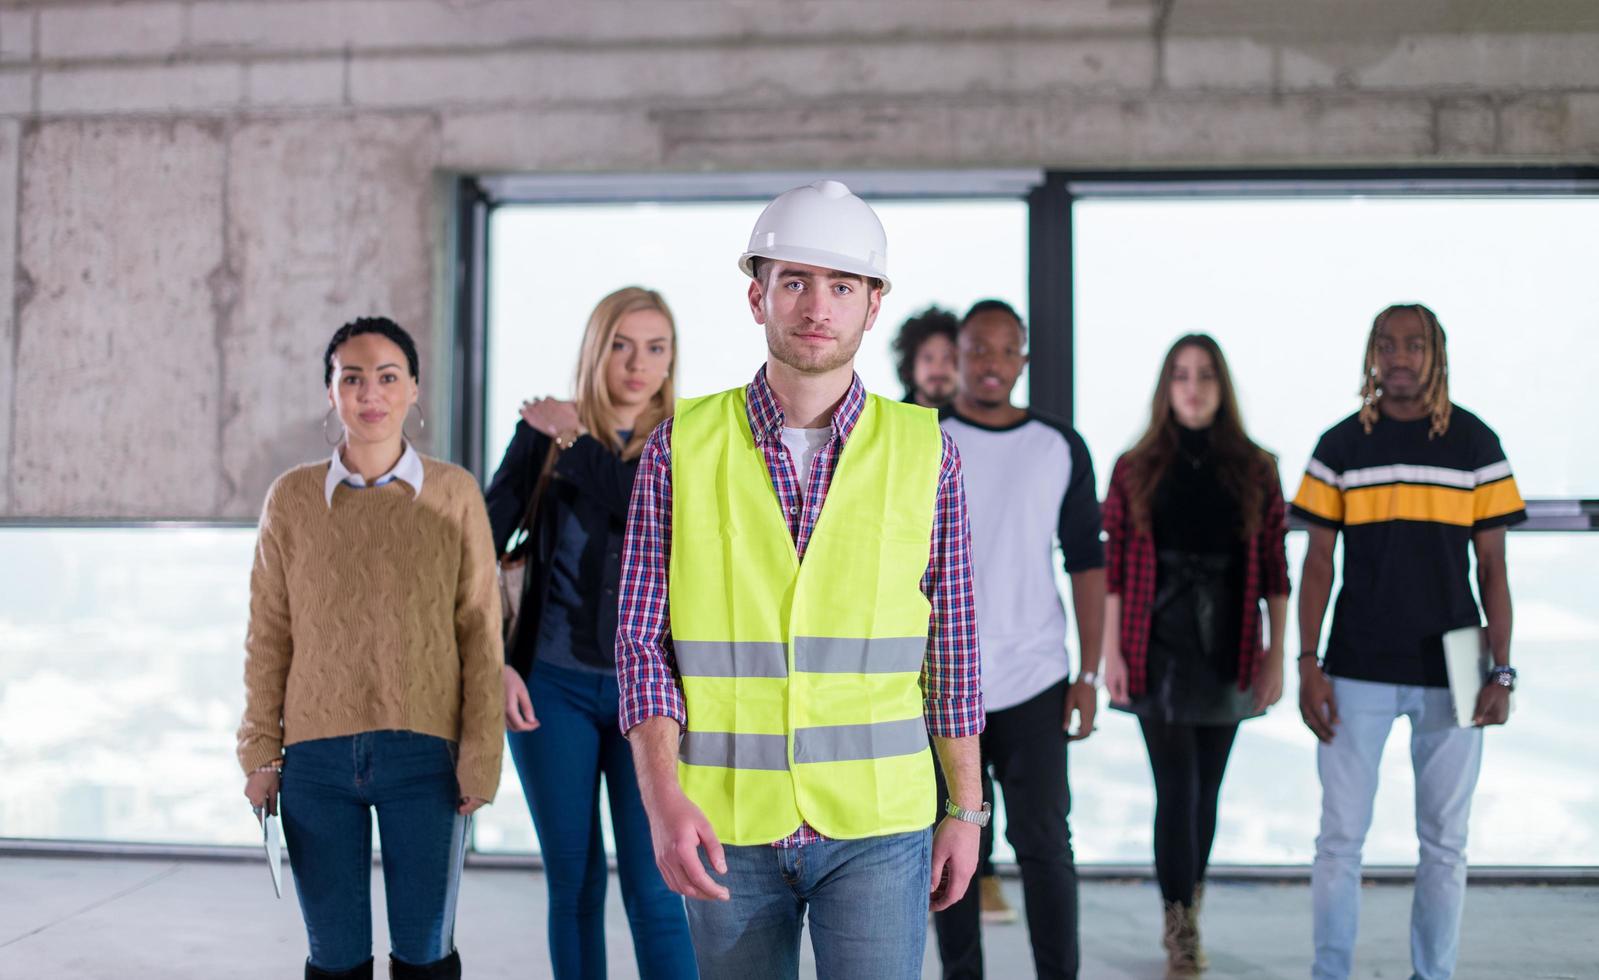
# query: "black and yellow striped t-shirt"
{"points": [[1407, 506]]}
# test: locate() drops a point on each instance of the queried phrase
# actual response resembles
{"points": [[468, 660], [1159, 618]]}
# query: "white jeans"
{"points": [[1446, 760]]}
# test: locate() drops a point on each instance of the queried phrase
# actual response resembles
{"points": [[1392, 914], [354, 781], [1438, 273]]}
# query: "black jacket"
{"points": [[593, 484]]}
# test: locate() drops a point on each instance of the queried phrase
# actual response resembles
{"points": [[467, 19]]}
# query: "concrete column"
{"points": [[327, 220], [117, 376], [10, 138]]}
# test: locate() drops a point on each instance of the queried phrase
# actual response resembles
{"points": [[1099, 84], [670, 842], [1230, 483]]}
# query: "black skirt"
{"points": [[1191, 672]]}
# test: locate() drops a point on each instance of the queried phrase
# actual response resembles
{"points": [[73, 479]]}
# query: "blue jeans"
{"points": [[1446, 761], [867, 901], [559, 764], [329, 788]]}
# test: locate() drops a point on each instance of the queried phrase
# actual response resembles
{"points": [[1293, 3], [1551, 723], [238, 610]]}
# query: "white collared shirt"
{"points": [[408, 470]]}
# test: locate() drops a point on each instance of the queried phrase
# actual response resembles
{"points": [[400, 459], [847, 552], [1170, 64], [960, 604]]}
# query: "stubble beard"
{"points": [[942, 395], [795, 355]]}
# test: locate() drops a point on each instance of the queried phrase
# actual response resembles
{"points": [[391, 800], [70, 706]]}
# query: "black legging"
{"points": [[1188, 762], [985, 841]]}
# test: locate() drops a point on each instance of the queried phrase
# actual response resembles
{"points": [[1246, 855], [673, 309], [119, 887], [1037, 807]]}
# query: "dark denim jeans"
{"points": [[329, 788], [559, 764]]}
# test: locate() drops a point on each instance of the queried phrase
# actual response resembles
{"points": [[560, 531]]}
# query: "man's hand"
{"points": [[954, 860], [1083, 699], [1268, 685], [679, 828], [470, 804], [1316, 704], [261, 789], [519, 715], [551, 416], [1493, 706]]}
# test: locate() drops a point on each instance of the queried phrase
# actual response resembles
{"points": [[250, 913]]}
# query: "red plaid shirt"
{"points": [[645, 667], [1130, 573]]}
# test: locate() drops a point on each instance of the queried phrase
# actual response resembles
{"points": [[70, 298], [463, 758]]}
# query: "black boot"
{"points": [[448, 968], [362, 972]]}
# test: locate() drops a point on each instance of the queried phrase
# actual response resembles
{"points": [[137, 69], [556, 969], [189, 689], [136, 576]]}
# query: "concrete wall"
{"points": [[193, 194]]}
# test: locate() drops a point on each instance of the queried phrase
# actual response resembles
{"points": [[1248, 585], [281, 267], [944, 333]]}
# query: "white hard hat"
{"points": [[820, 224]]}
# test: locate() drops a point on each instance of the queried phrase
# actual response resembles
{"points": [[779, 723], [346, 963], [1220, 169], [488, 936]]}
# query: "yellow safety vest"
{"points": [[803, 680]]}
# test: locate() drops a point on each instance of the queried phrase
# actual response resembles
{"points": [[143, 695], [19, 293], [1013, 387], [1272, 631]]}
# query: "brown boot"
{"points": [[991, 900], [1180, 941]]}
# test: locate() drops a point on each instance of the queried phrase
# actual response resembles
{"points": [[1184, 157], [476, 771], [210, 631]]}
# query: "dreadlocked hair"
{"points": [[1434, 368]]}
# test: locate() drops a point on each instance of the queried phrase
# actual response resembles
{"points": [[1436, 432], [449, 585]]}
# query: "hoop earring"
{"points": [[337, 439], [422, 423]]}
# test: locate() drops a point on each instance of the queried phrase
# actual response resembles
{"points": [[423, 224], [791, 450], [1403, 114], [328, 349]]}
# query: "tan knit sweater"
{"points": [[381, 612]]}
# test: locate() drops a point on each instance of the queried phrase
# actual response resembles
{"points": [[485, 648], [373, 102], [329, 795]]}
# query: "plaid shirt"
{"points": [[1130, 573], [645, 668]]}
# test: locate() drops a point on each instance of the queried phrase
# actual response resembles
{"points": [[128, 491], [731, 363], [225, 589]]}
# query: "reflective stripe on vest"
{"points": [[837, 655], [815, 654], [832, 743], [846, 743], [802, 681], [732, 751], [725, 658]]}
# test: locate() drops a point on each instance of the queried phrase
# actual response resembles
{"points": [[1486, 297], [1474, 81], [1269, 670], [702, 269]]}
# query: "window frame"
{"points": [[1050, 196], [1052, 296], [477, 197]]}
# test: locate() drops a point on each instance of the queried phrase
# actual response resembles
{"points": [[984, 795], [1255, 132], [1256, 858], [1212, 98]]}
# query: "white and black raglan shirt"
{"points": [[1027, 485]]}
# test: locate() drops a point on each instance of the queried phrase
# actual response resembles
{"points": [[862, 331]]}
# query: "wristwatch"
{"points": [[978, 817], [1504, 675], [1089, 677]]}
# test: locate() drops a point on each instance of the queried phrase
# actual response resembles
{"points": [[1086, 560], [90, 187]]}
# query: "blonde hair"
{"points": [[1434, 371], [593, 397]]}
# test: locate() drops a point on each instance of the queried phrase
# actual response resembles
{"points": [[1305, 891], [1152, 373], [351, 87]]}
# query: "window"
{"points": [[121, 646], [1289, 286], [550, 262], [121, 657]]}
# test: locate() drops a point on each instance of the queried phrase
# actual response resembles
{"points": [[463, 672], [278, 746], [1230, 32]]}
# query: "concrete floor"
{"points": [[129, 919]]}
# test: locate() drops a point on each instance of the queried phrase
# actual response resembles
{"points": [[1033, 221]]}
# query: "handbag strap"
{"points": [[524, 527]]}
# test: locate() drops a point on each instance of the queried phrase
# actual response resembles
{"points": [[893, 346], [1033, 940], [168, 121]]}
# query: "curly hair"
{"points": [[916, 331]]}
